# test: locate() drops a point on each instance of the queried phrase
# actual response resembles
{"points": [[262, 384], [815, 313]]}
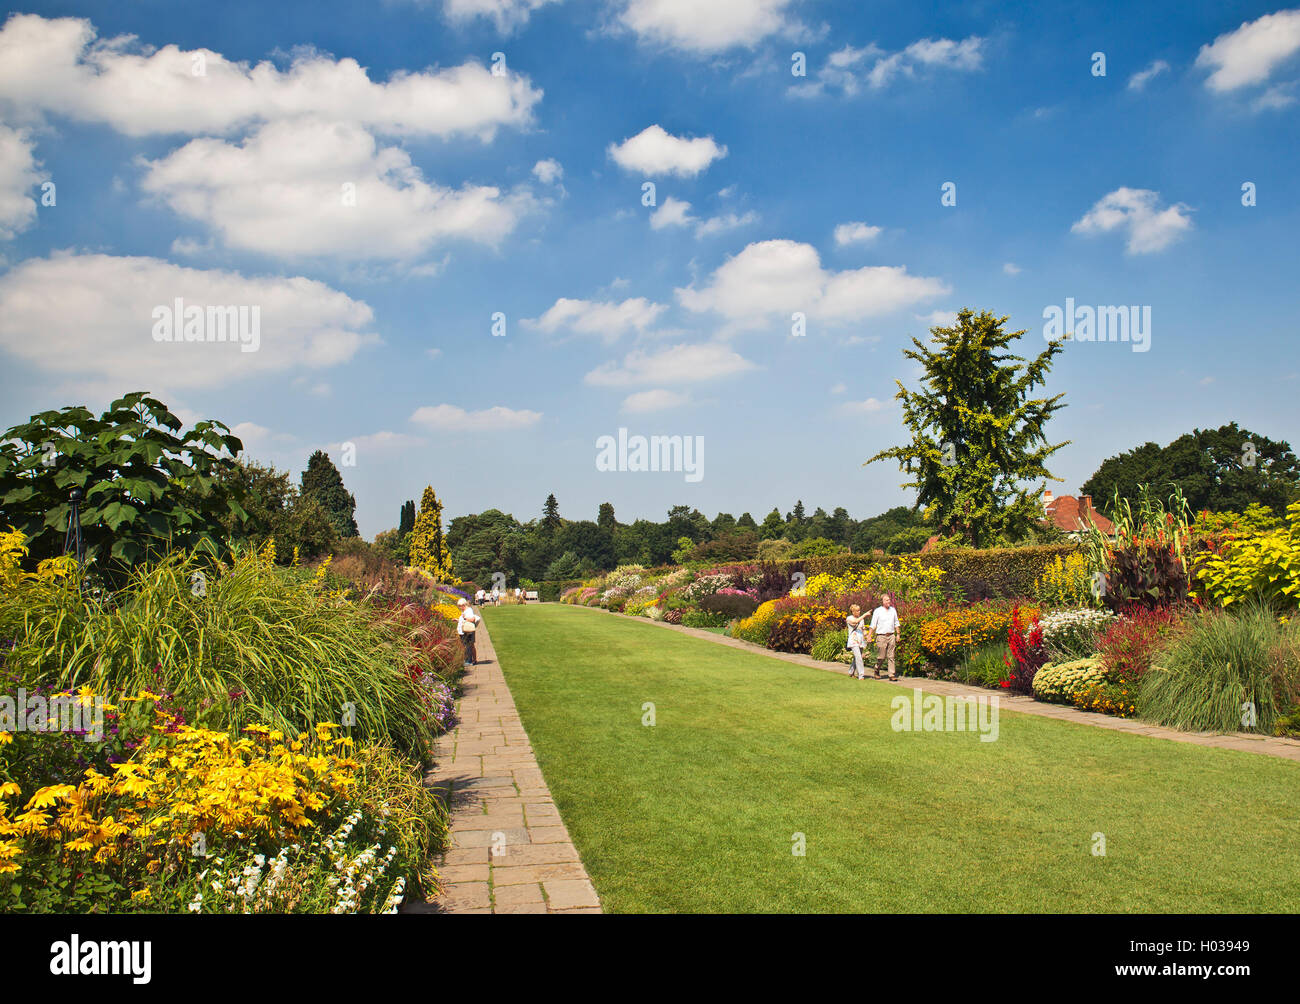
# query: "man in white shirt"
{"points": [[884, 630], [496, 596], [479, 595]]}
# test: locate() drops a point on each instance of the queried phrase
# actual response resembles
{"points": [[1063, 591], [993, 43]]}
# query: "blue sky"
{"points": [[201, 152]]}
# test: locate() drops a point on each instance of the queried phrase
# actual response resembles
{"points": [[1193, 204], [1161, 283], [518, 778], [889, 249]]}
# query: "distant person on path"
{"points": [[496, 596], [480, 596], [857, 640], [466, 625], [884, 631]]}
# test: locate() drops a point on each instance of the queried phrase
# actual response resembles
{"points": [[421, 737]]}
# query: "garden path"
{"points": [[1288, 749], [510, 850]]}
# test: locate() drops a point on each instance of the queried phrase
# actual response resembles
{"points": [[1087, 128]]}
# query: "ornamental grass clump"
{"points": [[297, 653], [1216, 675]]}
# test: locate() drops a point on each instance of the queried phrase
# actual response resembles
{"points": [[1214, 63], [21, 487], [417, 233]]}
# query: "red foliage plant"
{"points": [[1027, 653], [1129, 645]]}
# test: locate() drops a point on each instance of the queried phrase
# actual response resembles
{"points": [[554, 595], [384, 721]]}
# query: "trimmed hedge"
{"points": [[1003, 572], [549, 590]]}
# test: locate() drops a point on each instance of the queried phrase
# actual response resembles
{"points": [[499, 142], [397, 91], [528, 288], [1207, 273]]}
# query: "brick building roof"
{"points": [[1072, 514]]}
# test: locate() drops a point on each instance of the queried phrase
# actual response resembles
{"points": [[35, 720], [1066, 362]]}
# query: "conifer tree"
{"points": [[428, 548], [323, 482], [977, 434]]}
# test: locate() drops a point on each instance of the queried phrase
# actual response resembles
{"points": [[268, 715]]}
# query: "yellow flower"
{"points": [[10, 789], [140, 895], [49, 795], [6, 738]]}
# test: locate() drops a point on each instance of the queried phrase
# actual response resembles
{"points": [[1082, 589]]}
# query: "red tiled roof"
{"points": [[1071, 514]]}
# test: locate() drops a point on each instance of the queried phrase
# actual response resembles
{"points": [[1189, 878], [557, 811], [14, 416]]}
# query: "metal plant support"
{"points": [[72, 541]]}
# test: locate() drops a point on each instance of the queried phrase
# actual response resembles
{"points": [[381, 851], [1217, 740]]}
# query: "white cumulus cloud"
{"points": [[451, 418], [855, 233], [1248, 55], [17, 178], [90, 317], [608, 319], [60, 66], [771, 279], [660, 399], [1137, 213], [656, 151], [310, 187], [506, 15], [677, 364], [703, 28]]}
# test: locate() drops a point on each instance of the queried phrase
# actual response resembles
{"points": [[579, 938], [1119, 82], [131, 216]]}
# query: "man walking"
{"points": [[884, 630]]}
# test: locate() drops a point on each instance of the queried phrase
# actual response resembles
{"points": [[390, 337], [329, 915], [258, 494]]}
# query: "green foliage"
{"points": [[986, 666], [394, 545], [248, 636], [566, 566], [977, 433], [1214, 468], [148, 485], [1213, 672], [815, 547], [277, 510], [828, 645], [702, 619], [323, 482], [774, 549], [406, 523], [684, 548], [1262, 566]]}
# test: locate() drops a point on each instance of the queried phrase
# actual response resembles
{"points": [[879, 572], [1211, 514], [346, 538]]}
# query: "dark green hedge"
{"points": [[549, 590]]}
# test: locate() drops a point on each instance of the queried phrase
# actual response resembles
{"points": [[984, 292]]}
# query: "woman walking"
{"points": [[466, 625], [857, 640]]}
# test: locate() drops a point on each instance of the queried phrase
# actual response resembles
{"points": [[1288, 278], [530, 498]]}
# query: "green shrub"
{"points": [[986, 666], [828, 645], [1264, 566], [1214, 673], [702, 619], [147, 485]]}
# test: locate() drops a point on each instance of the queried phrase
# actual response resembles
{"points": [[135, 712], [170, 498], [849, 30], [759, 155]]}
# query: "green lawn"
{"points": [[698, 812]]}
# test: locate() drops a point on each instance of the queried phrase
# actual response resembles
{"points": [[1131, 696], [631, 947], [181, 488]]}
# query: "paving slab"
{"points": [[508, 841]]}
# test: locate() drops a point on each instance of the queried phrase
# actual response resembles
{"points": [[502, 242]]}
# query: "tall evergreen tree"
{"points": [[323, 482], [977, 434], [407, 521], [605, 517], [550, 516], [428, 548]]}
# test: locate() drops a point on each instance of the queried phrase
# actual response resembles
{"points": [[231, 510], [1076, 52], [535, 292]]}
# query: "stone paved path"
{"points": [[1288, 749], [510, 850]]}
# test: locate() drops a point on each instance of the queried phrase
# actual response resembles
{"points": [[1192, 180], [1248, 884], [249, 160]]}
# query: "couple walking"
{"points": [[882, 629]]}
